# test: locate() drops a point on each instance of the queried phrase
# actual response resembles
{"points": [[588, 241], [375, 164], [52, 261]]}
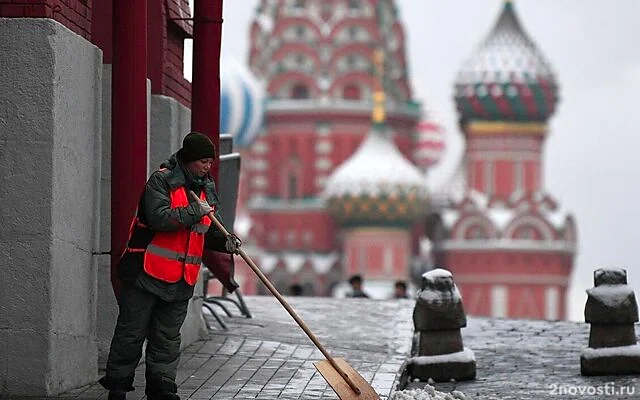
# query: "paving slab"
{"points": [[270, 357]]}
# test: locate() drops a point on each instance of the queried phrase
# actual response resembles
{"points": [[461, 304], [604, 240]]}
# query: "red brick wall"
{"points": [[175, 84], [74, 14], [167, 30]]}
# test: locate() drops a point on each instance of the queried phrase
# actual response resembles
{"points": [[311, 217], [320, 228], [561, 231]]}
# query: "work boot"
{"points": [[117, 395]]}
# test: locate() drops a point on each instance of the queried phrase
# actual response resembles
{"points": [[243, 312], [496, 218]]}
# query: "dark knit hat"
{"points": [[196, 146]]}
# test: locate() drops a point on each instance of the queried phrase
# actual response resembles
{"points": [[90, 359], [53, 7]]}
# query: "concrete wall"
{"points": [[107, 311], [170, 122], [50, 123]]}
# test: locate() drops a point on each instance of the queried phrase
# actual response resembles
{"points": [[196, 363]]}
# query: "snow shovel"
{"points": [[345, 381]]}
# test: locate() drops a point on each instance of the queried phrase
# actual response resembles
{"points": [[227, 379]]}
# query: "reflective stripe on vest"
{"points": [[172, 255], [177, 254]]}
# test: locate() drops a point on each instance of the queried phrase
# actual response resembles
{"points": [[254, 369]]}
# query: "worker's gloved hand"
{"points": [[202, 207], [233, 244]]}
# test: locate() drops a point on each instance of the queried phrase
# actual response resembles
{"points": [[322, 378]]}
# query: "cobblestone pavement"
{"points": [[534, 360], [270, 357]]}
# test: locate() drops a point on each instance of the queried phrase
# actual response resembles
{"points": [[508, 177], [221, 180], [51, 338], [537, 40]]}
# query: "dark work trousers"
{"points": [[143, 315]]}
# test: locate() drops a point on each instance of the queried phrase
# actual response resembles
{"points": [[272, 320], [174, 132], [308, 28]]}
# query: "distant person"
{"points": [[295, 289], [356, 287], [400, 290]]}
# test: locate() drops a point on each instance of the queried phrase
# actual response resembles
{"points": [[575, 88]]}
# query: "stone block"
{"points": [[107, 313], [50, 114], [460, 366], [611, 335], [20, 183], [612, 311], [439, 342], [27, 370], [73, 303], [437, 317], [439, 304], [610, 276], [611, 304], [623, 360], [26, 284]]}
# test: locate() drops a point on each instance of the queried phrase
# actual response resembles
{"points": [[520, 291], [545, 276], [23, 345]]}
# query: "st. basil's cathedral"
{"points": [[333, 186]]}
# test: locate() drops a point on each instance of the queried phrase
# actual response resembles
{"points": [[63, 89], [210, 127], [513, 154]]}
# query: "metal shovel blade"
{"points": [[340, 386]]}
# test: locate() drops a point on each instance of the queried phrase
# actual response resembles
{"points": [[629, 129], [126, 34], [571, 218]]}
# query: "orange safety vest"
{"points": [[177, 254]]}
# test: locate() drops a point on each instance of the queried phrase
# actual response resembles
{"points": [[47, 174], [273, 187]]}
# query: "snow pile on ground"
{"points": [[428, 393]]}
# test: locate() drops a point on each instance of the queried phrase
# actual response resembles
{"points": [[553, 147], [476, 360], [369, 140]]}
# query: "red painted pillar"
{"points": [[205, 92], [128, 120]]}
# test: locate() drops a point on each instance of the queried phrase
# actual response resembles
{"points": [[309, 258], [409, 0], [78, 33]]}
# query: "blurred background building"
{"points": [[315, 59], [320, 203], [508, 242]]}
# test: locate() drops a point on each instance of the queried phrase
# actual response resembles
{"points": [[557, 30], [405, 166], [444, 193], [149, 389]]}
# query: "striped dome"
{"points": [[429, 144], [507, 78], [242, 99]]}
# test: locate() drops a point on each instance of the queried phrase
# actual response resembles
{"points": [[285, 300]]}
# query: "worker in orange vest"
{"points": [[160, 267]]}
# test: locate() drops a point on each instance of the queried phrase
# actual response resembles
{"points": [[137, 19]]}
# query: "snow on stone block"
{"points": [[460, 366], [439, 304], [437, 273], [619, 351], [610, 276], [463, 356], [428, 393], [620, 360], [438, 287]]}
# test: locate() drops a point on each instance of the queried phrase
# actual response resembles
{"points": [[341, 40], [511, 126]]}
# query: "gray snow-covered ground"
{"points": [[269, 357]]}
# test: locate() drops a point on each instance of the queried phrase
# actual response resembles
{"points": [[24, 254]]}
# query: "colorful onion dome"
{"points": [[429, 144], [507, 78], [377, 185], [242, 102]]}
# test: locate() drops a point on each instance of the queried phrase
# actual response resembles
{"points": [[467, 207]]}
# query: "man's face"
{"points": [[200, 167]]}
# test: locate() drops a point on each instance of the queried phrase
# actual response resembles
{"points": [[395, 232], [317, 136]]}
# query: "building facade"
{"points": [[506, 239], [316, 58], [59, 90]]}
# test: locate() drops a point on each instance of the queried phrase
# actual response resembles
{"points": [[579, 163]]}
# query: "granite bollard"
{"points": [[438, 315], [612, 311]]}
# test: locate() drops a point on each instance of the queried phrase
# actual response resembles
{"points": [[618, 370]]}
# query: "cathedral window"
{"points": [[300, 31], [477, 232], [299, 3], [525, 233], [351, 92], [300, 91], [488, 178], [292, 186], [354, 4], [353, 32], [351, 60], [291, 179]]}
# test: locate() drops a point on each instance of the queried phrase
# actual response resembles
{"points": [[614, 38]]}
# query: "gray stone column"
{"points": [[612, 311], [50, 124], [438, 317]]}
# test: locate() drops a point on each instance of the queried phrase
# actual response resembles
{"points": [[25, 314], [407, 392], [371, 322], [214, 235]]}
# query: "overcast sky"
{"points": [[592, 154]]}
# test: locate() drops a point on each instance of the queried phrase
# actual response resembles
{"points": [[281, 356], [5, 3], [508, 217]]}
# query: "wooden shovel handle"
{"points": [[287, 307]]}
